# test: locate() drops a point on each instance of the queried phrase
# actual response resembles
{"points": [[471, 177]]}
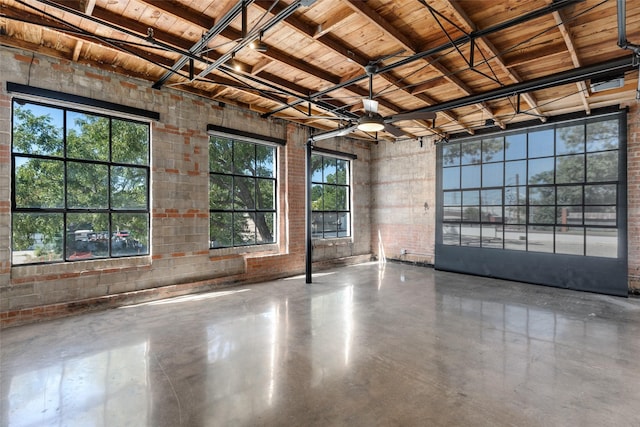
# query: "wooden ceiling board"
{"points": [[320, 46]]}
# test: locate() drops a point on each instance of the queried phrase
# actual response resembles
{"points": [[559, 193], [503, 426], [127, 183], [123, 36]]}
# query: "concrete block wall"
{"points": [[180, 261], [403, 183]]}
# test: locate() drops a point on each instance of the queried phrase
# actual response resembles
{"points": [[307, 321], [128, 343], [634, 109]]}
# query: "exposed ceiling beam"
{"points": [[568, 39], [484, 43], [190, 15], [405, 42], [599, 70]]}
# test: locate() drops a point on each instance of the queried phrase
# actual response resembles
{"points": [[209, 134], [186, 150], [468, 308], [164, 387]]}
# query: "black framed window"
{"points": [[80, 186], [330, 197], [242, 193], [547, 189]]}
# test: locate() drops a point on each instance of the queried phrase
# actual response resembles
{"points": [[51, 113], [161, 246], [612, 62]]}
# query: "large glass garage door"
{"points": [[545, 205]]}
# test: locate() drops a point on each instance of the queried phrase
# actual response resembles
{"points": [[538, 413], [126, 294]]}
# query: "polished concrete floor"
{"points": [[361, 346]]}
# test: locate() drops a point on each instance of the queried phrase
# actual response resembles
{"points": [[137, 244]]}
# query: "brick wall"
{"points": [[180, 261], [633, 197]]}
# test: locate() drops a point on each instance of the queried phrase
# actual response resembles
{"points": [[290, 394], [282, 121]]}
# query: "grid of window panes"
{"points": [[242, 193], [550, 189], [330, 188], [80, 185]]}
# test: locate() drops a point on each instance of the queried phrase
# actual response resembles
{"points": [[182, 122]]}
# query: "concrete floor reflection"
{"points": [[362, 345]]}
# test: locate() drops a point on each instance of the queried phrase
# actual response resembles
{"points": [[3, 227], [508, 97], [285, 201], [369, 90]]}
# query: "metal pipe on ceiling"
{"points": [[255, 33], [214, 31], [553, 7], [595, 71]]}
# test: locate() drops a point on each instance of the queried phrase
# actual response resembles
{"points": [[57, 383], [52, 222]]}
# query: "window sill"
{"points": [[334, 241], [247, 251]]}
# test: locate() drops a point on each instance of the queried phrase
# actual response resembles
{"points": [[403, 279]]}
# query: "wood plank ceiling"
{"points": [[320, 58]]}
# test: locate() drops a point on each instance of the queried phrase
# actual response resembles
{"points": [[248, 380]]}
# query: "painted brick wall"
{"points": [[180, 260]]}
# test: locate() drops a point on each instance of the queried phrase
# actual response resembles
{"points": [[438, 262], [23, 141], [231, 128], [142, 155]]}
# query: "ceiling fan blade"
{"points": [[370, 106], [393, 130], [418, 115]]}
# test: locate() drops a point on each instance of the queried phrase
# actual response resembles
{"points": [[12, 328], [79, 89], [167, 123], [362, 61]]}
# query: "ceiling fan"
{"points": [[371, 121]]}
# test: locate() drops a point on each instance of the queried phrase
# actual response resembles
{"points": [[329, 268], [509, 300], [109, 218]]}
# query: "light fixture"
{"points": [[258, 45], [371, 123]]}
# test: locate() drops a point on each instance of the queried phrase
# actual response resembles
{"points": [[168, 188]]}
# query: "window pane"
{"points": [[602, 135], [605, 194], [600, 215], [542, 195], [492, 236], [342, 199], [451, 155], [452, 198], [602, 242], [470, 235], [87, 236], [451, 234], [471, 153], [220, 155], [470, 176], [493, 150], [36, 238], [570, 169], [317, 224], [515, 238], [266, 194], [542, 214], [329, 192], [220, 194], [244, 158], [87, 136], [329, 170], [87, 186], [317, 199], [515, 173], [316, 168], [491, 214], [130, 142], [570, 195], [602, 166], [330, 225], [244, 193], [130, 234], [244, 229], [541, 171], [570, 240], [570, 139], [39, 183], [37, 129], [540, 239], [541, 143], [471, 197], [452, 213], [265, 227], [569, 215], [471, 214], [515, 195], [492, 197], [515, 147], [515, 214], [221, 230], [128, 187], [344, 224], [451, 178], [492, 174], [265, 161], [342, 172]]}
